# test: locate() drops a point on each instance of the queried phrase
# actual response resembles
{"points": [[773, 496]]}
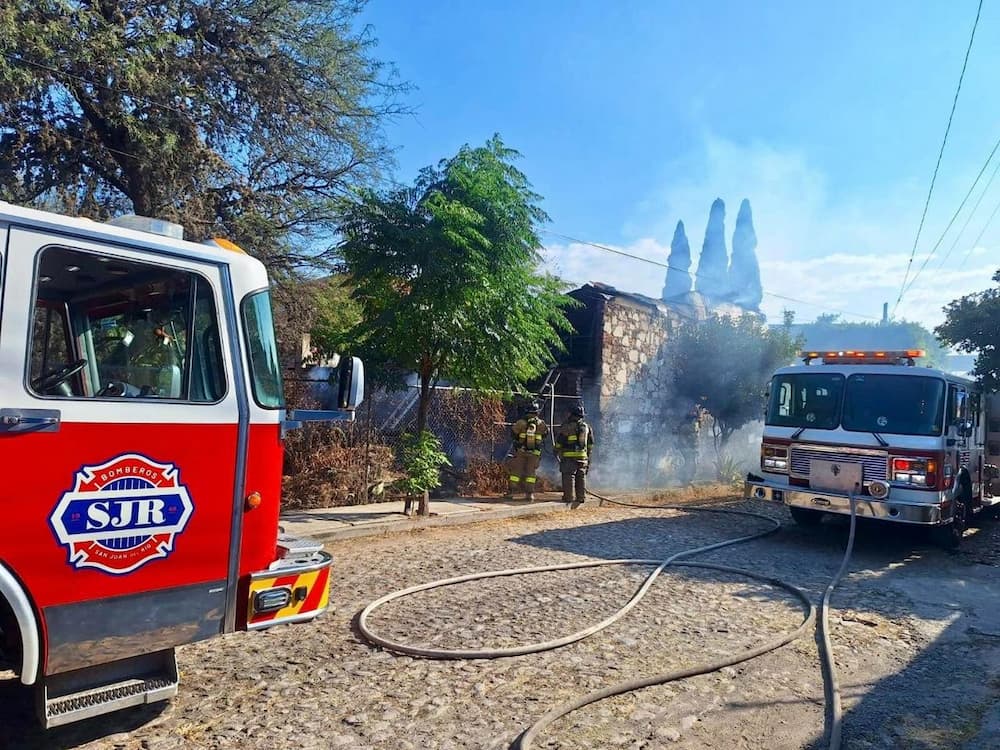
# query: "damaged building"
{"points": [[618, 360]]}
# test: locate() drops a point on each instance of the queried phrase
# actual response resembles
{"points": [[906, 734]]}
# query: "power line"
{"points": [[696, 275], [954, 216], [17, 60], [937, 166], [968, 219], [975, 243]]}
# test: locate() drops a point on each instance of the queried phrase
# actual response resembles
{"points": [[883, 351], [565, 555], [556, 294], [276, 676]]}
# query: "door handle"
{"points": [[13, 421]]}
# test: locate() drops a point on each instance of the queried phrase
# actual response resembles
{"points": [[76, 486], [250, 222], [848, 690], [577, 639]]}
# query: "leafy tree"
{"points": [[723, 365], [247, 118], [447, 276], [744, 270], [713, 274], [972, 323], [678, 280], [336, 313]]}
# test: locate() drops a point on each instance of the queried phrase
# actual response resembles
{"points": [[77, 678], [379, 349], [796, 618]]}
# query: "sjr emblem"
{"points": [[122, 514]]}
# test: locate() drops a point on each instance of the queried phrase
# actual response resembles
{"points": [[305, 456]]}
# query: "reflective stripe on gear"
{"points": [[574, 454], [514, 479], [530, 480]]}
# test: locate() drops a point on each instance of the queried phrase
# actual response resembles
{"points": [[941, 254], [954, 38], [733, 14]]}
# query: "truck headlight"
{"points": [[916, 472], [774, 458]]}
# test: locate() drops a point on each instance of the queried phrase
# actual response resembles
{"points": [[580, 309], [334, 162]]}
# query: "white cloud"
{"points": [[837, 253]]}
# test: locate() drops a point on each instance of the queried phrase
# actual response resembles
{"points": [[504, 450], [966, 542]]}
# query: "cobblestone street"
{"points": [[915, 636]]}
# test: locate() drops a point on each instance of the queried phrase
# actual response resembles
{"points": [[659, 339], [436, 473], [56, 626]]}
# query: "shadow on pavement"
{"points": [[20, 729], [943, 696]]}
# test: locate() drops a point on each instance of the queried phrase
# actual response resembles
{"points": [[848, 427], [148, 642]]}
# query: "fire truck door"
{"points": [[119, 433], [992, 448]]}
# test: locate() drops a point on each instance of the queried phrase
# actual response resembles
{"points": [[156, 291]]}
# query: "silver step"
{"points": [[85, 693], [293, 546]]}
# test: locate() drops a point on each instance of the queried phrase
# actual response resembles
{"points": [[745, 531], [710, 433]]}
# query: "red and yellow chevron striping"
{"points": [[309, 595]]}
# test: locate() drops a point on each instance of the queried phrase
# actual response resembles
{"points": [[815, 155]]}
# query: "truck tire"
{"points": [[950, 536], [806, 516], [10, 638]]}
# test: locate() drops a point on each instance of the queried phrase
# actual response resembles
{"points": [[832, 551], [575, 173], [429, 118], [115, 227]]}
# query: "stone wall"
{"points": [[630, 398]]}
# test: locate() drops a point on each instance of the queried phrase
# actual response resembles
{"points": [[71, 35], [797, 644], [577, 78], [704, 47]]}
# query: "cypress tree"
{"points": [[744, 271], [713, 276], [678, 280]]}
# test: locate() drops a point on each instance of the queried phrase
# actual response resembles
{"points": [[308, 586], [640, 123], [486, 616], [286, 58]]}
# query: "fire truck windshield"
{"points": [[898, 404], [808, 400]]}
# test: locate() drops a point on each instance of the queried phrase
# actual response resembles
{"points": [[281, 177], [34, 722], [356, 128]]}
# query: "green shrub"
{"points": [[422, 460]]}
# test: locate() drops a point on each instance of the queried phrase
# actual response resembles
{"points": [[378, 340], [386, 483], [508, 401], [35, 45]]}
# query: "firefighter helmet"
{"points": [[532, 408], [577, 410]]}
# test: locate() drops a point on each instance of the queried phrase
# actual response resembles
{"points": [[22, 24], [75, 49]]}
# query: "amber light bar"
{"points": [[850, 356]]}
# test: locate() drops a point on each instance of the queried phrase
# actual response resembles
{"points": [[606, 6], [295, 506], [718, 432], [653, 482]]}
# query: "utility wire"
{"points": [[937, 166], [975, 243], [954, 216], [18, 60], [968, 218], [696, 275]]}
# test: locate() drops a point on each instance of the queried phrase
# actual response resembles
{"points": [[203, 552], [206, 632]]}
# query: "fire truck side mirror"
{"points": [[350, 383]]}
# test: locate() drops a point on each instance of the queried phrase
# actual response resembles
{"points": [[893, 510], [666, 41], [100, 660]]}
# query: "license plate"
{"points": [[834, 475]]}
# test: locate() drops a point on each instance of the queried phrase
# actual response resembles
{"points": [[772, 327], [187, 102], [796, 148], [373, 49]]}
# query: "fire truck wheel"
{"points": [[10, 637], [806, 516], [950, 536]]}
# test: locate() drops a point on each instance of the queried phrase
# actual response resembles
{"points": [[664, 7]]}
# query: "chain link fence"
{"points": [[358, 462], [353, 463]]}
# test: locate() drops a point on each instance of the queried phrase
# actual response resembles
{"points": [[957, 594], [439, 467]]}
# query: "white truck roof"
{"points": [[247, 271], [848, 369]]}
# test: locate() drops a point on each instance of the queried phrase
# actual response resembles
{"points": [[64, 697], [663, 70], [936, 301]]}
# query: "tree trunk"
{"points": [[424, 504], [425, 397]]}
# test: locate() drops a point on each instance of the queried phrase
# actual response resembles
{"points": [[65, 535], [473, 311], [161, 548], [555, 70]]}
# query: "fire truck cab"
{"points": [[141, 425], [912, 444]]}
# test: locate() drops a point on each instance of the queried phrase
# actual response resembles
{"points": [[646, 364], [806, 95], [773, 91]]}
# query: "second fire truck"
{"points": [[913, 445]]}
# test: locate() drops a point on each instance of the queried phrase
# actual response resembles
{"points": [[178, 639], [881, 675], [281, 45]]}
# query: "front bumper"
{"points": [[935, 513], [301, 583]]}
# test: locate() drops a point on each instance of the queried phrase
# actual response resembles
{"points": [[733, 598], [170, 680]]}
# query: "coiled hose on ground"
{"points": [[525, 740]]}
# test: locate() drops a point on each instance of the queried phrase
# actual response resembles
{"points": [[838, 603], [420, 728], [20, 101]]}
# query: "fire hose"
{"points": [[525, 740]]}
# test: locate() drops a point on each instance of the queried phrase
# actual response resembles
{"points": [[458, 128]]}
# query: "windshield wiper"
{"points": [[880, 439], [798, 432]]}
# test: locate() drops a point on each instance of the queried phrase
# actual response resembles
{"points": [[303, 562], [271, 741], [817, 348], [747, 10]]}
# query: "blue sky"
{"points": [[632, 115]]}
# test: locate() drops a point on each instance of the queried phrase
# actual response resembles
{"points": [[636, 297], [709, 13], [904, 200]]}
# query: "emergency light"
{"points": [[857, 357], [149, 224]]}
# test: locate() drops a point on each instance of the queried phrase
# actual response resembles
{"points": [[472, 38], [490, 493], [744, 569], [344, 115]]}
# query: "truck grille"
{"points": [[873, 467]]}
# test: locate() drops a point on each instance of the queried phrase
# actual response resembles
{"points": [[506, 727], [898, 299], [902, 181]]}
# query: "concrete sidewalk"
{"points": [[331, 524]]}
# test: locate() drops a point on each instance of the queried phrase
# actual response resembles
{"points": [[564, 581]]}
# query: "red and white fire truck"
{"points": [[913, 444], [141, 422]]}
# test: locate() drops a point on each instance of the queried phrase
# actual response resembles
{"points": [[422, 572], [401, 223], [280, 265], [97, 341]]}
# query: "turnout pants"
{"points": [[521, 472], [574, 478]]}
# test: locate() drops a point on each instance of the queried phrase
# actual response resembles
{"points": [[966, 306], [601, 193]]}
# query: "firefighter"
{"points": [[574, 444], [528, 434], [687, 432]]}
